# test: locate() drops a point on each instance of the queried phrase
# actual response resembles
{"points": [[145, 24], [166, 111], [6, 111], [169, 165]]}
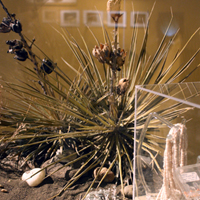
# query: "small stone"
{"points": [[70, 173], [34, 176], [4, 190], [10, 163], [109, 177], [1, 186], [128, 191], [60, 174]]}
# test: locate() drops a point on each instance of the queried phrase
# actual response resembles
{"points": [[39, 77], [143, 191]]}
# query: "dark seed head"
{"points": [[15, 45], [16, 26], [47, 66], [21, 55]]}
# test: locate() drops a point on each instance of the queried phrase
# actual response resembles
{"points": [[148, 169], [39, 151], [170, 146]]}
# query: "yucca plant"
{"points": [[93, 114]]}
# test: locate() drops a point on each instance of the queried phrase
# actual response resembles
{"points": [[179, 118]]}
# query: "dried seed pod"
{"points": [[16, 26], [113, 6], [21, 55], [14, 45], [103, 53], [96, 54], [47, 66], [122, 86], [121, 55], [5, 25], [4, 190], [109, 177]]}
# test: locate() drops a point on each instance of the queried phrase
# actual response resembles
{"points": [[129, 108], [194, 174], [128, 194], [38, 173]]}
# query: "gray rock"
{"points": [[13, 162], [70, 173], [56, 171]]}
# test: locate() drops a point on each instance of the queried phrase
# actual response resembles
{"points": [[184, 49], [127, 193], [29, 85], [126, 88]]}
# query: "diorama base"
{"points": [[151, 196]]}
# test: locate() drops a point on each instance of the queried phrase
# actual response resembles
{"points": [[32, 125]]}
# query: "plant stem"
{"points": [[29, 49], [6, 10], [34, 61], [115, 32], [115, 58], [113, 109]]}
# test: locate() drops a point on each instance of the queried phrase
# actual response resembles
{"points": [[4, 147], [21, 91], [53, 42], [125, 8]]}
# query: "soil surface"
{"points": [[19, 190], [10, 181]]}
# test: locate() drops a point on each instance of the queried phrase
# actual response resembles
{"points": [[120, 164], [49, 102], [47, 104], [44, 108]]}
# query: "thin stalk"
{"points": [[6, 10], [113, 111]]}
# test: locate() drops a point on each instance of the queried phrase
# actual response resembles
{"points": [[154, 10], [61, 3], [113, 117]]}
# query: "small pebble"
{"points": [[4, 190], [1, 186], [37, 176], [128, 191]]}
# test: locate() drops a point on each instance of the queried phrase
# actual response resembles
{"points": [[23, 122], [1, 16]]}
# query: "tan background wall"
{"points": [[186, 17]]}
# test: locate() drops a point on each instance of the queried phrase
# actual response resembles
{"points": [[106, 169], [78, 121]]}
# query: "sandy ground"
{"points": [[19, 190]]}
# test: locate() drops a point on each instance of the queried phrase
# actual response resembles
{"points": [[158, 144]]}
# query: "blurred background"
{"points": [[38, 18]]}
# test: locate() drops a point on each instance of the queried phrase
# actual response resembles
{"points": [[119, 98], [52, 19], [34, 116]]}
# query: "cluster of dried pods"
{"points": [[19, 48]]}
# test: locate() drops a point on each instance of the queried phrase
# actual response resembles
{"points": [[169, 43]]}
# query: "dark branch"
{"points": [[6, 10]]}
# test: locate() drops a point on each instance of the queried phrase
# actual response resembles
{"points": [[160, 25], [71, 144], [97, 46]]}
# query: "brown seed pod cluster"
{"points": [[120, 55], [16, 47], [108, 178], [10, 23], [102, 53], [113, 57]]}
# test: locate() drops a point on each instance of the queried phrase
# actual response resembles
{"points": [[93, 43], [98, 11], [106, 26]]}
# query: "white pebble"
{"points": [[34, 180]]}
